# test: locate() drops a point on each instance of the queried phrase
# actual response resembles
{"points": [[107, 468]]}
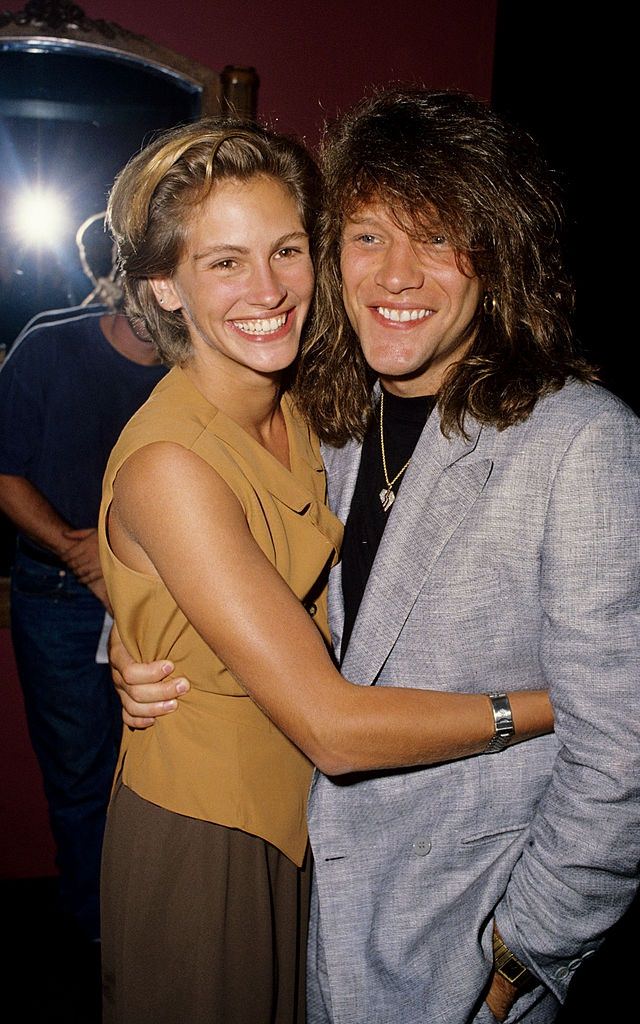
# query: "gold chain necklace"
{"points": [[387, 497]]}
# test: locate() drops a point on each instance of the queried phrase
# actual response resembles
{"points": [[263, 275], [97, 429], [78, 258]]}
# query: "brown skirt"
{"points": [[200, 923]]}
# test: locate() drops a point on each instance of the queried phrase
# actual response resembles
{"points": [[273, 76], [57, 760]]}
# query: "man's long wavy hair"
{"points": [[161, 189], [446, 158]]}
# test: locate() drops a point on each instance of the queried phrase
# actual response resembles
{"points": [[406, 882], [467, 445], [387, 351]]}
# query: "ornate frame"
{"points": [[59, 25]]}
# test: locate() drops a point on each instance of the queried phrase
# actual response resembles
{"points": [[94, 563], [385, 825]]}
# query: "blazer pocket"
{"points": [[491, 835]]}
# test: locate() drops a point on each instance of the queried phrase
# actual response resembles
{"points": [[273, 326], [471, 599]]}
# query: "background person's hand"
{"points": [[82, 555]]}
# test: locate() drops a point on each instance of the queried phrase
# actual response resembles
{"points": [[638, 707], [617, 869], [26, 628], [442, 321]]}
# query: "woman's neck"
{"points": [[250, 399]]}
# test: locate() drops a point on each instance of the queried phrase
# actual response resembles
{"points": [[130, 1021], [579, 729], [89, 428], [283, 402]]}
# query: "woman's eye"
{"points": [[439, 240], [289, 250]]}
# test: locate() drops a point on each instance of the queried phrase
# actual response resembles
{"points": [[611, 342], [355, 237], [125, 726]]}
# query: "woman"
{"points": [[216, 549]]}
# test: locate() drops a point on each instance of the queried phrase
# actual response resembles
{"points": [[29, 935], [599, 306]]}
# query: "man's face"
{"points": [[407, 299]]}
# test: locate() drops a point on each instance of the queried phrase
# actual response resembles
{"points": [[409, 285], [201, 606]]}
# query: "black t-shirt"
{"points": [[65, 395], [404, 420]]}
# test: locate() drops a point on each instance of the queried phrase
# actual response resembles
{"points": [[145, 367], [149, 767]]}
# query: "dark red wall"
{"points": [[26, 845], [317, 57]]}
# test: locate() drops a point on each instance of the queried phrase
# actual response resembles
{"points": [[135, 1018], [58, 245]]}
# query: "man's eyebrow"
{"points": [[240, 250], [372, 223]]}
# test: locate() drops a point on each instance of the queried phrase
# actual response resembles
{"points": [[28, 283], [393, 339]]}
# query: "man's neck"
{"points": [[407, 388], [120, 335]]}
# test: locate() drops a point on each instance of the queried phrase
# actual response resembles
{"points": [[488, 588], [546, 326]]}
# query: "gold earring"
{"points": [[489, 304]]}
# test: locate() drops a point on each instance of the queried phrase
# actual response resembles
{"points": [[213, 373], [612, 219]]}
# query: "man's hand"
{"points": [[99, 589], [502, 993], [501, 996], [144, 690], [83, 558], [82, 555]]}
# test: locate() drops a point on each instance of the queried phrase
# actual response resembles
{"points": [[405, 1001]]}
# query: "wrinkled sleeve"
{"points": [[579, 869]]}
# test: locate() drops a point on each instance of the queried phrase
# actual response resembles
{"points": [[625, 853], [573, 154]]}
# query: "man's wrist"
{"points": [[504, 729], [508, 966]]}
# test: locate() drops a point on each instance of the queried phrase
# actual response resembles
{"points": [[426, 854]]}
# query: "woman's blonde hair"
{"points": [[156, 194]]}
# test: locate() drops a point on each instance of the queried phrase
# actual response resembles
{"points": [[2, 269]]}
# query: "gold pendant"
{"points": [[387, 497]]}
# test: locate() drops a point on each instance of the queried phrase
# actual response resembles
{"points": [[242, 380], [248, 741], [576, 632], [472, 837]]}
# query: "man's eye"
{"points": [[439, 240], [225, 264], [289, 250], [367, 239]]}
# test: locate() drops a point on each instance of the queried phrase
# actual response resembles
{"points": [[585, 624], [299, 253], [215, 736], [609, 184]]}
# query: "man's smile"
{"points": [[402, 315]]}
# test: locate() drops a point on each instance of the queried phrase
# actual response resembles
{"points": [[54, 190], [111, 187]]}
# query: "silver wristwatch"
{"points": [[502, 721]]}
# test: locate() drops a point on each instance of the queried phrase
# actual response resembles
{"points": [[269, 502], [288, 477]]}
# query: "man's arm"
{"points": [[33, 514], [578, 870], [36, 518]]}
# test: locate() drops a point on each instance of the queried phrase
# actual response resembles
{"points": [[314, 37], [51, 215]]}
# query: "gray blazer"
{"points": [[510, 560]]}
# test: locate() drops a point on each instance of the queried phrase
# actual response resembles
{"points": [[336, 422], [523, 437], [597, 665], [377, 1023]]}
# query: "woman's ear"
{"points": [[165, 292]]}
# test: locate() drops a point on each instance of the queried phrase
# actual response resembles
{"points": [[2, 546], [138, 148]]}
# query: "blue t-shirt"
{"points": [[65, 395]]}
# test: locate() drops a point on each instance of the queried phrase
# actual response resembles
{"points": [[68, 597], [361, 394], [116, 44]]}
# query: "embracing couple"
{"points": [[445, 624]]}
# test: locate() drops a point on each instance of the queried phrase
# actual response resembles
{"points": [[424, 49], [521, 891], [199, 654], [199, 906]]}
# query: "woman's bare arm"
{"points": [[195, 536]]}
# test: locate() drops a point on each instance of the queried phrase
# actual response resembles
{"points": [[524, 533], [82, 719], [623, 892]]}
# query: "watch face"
{"points": [[515, 972]]}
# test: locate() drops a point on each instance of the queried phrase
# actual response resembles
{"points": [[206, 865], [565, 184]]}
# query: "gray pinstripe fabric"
{"points": [[509, 560]]}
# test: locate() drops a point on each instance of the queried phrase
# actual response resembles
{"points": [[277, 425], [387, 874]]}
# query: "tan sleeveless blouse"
{"points": [[219, 758]]}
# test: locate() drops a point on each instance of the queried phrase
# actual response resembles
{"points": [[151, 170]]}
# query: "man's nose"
{"points": [[400, 268]]}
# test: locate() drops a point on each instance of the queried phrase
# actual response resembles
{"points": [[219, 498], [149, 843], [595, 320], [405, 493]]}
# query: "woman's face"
{"points": [[245, 279]]}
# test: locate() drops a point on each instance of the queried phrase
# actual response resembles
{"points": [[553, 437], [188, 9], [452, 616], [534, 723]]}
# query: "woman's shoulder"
{"points": [[174, 412]]}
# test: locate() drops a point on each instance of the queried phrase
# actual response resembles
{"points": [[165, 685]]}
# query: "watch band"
{"points": [[508, 966], [502, 722]]}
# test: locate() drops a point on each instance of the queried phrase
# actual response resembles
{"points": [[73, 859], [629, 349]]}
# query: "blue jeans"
{"points": [[74, 720]]}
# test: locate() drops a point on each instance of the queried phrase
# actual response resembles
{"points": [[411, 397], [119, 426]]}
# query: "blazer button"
{"points": [[421, 847]]}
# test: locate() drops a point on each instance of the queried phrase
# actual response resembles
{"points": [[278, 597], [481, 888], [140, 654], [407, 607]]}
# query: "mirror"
{"points": [[77, 99]]}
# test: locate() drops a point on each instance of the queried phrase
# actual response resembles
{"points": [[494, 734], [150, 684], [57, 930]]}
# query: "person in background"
{"points": [[68, 386], [216, 545], [490, 492]]}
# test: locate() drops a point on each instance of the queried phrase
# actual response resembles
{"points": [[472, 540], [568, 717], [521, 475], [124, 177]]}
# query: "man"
{"points": [[70, 383], [490, 492]]}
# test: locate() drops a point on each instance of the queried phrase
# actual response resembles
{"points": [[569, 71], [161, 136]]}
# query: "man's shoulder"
{"points": [[54, 330], [579, 417], [65, 314], [577, 404]]}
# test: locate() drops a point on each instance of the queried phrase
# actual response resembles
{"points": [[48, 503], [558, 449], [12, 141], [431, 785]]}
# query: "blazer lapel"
{"points": [[440, 486], [342, 466]]}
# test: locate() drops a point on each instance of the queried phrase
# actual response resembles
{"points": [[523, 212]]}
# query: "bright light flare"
{"points": [[39, 218]]}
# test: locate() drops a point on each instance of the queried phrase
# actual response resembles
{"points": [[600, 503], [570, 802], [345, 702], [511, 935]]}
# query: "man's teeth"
{"points": [[274, 323], [402, 315]]}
